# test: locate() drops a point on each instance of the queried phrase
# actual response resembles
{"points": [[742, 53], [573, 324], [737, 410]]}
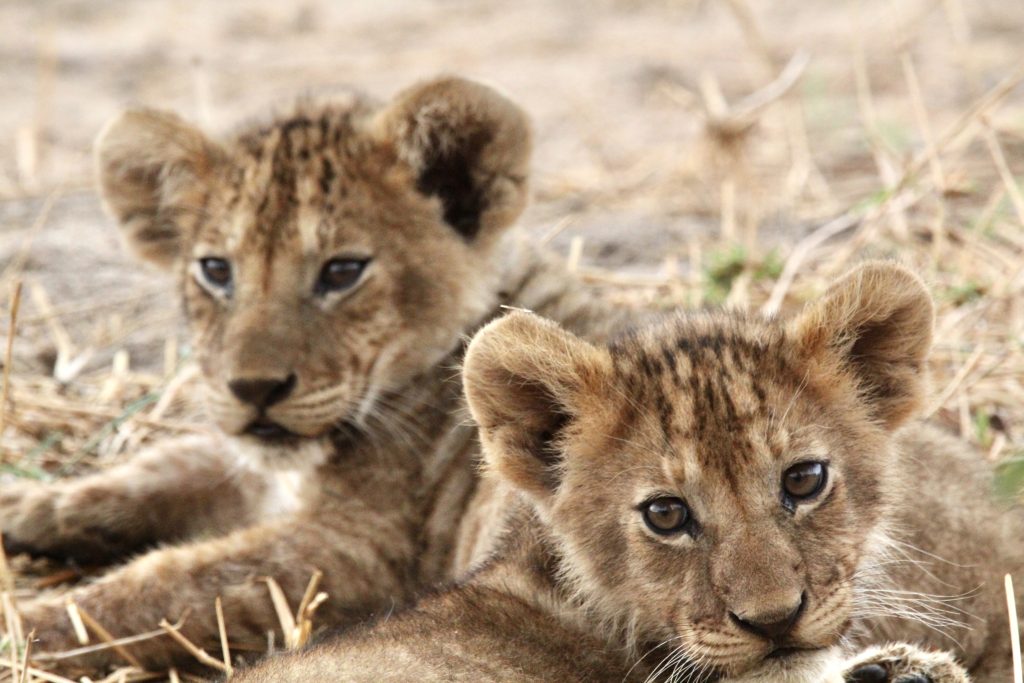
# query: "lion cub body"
{"points": [[764, 577], [508, 621]]}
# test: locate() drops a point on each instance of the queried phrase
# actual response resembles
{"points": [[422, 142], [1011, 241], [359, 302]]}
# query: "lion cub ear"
{"points": [[147, 163], [877, 323], [525, 380], [468, 145]]}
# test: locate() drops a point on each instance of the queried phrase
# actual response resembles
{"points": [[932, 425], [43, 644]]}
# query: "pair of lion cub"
{"points": [[713, 496]]}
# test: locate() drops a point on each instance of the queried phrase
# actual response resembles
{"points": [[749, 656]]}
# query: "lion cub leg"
{"points": [[184, 582], [902, 663], [180, 489]]}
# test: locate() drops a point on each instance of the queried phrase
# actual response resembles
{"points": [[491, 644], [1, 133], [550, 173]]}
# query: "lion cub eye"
{"points": [[216, 272], [666, 515], [804, 481], [339, 274]]}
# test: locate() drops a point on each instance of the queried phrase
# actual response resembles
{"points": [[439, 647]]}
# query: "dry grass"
{"points": [[769, 145]]}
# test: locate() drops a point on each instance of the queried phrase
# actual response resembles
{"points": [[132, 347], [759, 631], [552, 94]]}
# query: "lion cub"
{"points": [[712, 497], [331, 262]]}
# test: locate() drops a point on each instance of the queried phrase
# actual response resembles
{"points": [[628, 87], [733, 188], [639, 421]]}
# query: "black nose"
{"points": [[262, 393], [774, 625]]}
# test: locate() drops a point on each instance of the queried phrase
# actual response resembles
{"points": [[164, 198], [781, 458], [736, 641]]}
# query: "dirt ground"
{"points": [[687, 151], [614, 88]]}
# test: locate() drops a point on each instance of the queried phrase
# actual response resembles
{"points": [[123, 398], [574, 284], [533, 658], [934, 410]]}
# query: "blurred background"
{"points": [[690, 152]]}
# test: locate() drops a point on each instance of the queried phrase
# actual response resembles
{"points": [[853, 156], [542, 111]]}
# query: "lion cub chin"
{"points": [[711, 498]]}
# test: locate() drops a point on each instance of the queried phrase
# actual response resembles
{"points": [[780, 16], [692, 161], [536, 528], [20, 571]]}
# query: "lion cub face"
{"points": [[329, 256], [714, 482]]}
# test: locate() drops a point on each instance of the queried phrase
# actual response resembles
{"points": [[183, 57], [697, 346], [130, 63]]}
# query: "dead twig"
{"points": [[225, 649], [106, 637], [1011, 606], [12, 326], [200, 654]]}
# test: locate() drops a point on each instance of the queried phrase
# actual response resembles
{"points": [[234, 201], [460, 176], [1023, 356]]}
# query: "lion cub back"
{"points": [[471, 633]]}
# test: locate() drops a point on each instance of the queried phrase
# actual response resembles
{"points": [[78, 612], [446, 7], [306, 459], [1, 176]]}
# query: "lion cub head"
{"points": [[328, 256], [713, 483]]}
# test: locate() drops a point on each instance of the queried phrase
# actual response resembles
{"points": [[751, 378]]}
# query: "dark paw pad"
{"points": [[869, 673], [12, 546], [68, 552]]}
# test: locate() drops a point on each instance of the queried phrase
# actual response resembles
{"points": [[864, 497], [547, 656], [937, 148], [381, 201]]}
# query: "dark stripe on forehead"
{"points": [[670, 363], [665, 413], [729, 469], [710, 404], [728, 406], [759, 393], [713, 342], [327, 175], [648, 366], [699, 416]]}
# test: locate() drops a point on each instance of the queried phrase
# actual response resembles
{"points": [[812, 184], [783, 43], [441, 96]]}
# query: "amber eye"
{"points": [[666, 515], [216, 272], [339, 274], [804, 481]]}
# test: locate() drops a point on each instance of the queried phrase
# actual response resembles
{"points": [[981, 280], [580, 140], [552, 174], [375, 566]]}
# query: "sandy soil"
{"points": [[613, 86]]}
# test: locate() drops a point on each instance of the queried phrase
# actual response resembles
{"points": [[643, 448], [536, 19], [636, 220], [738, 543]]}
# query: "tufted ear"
{"points": [[468, 145], [525, 379], [877, 322], [148, 163]]}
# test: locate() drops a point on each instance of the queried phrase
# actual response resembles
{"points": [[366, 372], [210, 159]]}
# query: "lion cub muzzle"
{"points": [[773, 624], [262, 393]]}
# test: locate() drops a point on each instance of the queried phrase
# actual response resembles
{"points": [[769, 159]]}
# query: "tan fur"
{"points": [[378, 468], [711, 408]]}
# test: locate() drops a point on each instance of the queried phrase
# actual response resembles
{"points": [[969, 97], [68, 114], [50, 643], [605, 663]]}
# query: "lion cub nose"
{"points": [[772, 624], [262, 393]]}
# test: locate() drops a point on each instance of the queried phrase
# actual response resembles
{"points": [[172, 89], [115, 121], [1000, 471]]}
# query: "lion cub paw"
{"points": [[65, 525], [26, 515], [902, 663]]}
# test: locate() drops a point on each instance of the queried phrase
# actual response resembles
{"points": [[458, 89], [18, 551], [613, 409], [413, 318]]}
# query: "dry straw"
{"points": [[1011, 605]]}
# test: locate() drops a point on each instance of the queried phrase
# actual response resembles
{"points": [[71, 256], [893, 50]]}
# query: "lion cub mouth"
{"points": [[268, 430], [787, 652]]}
